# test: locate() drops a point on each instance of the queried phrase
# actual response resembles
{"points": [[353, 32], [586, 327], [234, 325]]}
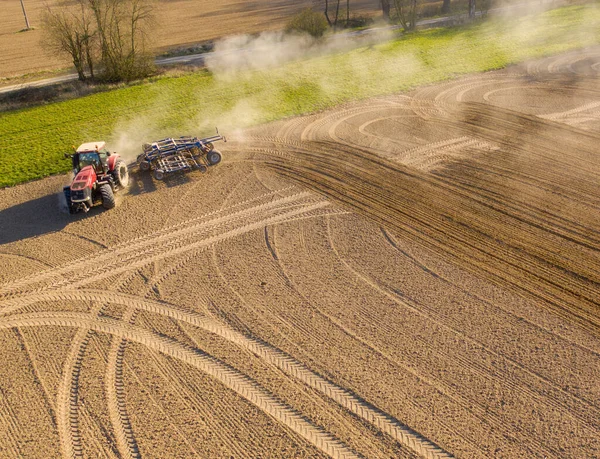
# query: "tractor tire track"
{"points": [[111, 265], [164, 235], [272, 355], [479, 410], [518, 268], [68, 392], [228, 376]]}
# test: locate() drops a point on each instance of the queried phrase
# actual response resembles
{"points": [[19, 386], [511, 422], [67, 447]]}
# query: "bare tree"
{"points": [[337, 15], [111, 32], [70, 31], [347, 13], [471, 8], [406, 10]]}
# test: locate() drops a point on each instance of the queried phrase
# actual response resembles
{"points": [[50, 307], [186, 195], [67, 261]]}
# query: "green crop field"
{"points": [[32, 141]]}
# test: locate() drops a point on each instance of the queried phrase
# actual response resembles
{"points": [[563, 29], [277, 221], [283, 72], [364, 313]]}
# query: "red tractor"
{"points": [[98, 174]]}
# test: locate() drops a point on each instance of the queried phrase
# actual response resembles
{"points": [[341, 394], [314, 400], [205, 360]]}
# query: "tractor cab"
{"points": [[92, 154]]}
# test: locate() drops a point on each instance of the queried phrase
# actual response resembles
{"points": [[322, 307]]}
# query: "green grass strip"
{"points": [[32, 141]]}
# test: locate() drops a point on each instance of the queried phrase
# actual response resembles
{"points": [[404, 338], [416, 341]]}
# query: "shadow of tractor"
{"points": [[34, 218], [49, 213]]}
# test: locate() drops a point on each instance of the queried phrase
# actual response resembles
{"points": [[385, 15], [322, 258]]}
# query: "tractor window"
{"points": [[103, 156], [88, 159]]}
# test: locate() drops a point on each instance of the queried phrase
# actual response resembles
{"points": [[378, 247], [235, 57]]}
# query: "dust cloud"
{"points": [[272, 49], [244, 59]]}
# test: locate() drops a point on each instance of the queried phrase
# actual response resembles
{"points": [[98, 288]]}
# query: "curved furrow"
{"points": [[429, 223], [114, 373], [288, 127], [540, 224], [114, 386], [393, 243], [182, 246], [286, 362], [228, 376], [164, 274], [272, 355], [165, 241], [312, 129], [481, 411]]}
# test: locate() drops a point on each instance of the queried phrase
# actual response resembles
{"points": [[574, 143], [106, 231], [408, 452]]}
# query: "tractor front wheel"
{"points": [[213, 157], [108, 197], [121, 173], [70, 206]]}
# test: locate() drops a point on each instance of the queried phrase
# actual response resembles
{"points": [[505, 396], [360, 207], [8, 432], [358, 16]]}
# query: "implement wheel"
{"points": [[159, 175], [108, 197], [213, 157]]}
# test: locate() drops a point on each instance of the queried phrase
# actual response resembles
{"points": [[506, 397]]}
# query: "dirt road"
{"points": [[410, 276]]}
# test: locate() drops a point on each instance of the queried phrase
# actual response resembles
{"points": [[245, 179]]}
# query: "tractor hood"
{"points": [[84, 179]]}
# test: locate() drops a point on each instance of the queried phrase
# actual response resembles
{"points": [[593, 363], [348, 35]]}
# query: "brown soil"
{"points": [[414, 275], [179, 23]]}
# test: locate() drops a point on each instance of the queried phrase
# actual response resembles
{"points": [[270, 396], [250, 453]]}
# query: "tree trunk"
{"points": [[446, 6], [471, 8], [385, 9], [327, 12], [347, 12], [337, 14]]}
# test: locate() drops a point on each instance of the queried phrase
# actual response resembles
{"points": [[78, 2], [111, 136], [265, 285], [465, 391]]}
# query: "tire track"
{"points": [[185, 240], [502, 262], [68, 392], [480, 410], [370, 346], [164, 235], [228, 376], [353, 403]]}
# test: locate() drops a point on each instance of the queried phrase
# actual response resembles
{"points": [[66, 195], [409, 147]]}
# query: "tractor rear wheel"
{"points": [[213, 157], [108, 197], [121, 173]]}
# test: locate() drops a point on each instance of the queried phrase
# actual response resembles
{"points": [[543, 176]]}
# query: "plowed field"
{"points": [[410, 276]]}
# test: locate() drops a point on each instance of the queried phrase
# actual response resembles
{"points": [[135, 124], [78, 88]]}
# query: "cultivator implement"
{"points": [[181, 154]]}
